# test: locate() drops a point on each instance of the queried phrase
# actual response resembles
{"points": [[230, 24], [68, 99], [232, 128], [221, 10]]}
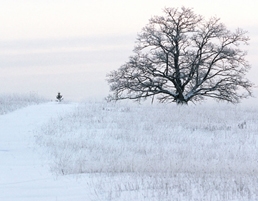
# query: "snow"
{"points": [[24, 173], [120, 152]]}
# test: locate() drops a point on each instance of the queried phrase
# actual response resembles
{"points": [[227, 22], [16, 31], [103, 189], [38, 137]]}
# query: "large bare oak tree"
{"points": [[182, 57]]}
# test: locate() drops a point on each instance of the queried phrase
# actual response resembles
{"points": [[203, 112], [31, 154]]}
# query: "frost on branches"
{"points": [[181, 57]]}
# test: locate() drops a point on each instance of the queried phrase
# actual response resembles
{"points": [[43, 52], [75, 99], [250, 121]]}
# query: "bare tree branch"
{"points": [[180, 57]]}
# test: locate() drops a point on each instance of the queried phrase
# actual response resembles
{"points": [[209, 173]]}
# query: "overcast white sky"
{"points": [[69, 46]]}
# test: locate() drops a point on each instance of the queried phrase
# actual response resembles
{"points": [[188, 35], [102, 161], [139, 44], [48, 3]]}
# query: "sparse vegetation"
{"points": [[11, 102], [160, 152]]}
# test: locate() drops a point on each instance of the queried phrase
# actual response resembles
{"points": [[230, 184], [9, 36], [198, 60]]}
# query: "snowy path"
{"points": [[24, 174]]}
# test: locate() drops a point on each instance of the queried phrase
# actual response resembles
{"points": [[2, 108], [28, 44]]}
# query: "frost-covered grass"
{"points": [[161, 152], [11, 102]]}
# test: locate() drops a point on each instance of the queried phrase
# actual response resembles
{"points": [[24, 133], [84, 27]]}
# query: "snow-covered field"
{"points": [[118, 151], [11, 102]]}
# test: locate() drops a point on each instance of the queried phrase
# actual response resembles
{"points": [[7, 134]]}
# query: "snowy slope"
{"points": [[101, 151], [24, 173]]}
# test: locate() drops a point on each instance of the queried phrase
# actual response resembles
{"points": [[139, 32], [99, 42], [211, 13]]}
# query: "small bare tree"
{"points": [[181, 57]]}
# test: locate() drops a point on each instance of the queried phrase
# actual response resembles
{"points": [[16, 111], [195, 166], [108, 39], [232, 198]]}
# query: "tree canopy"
{"points": [[181, 57]]}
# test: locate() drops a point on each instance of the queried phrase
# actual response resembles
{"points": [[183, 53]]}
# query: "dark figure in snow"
{"points": [[59, 97]]}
